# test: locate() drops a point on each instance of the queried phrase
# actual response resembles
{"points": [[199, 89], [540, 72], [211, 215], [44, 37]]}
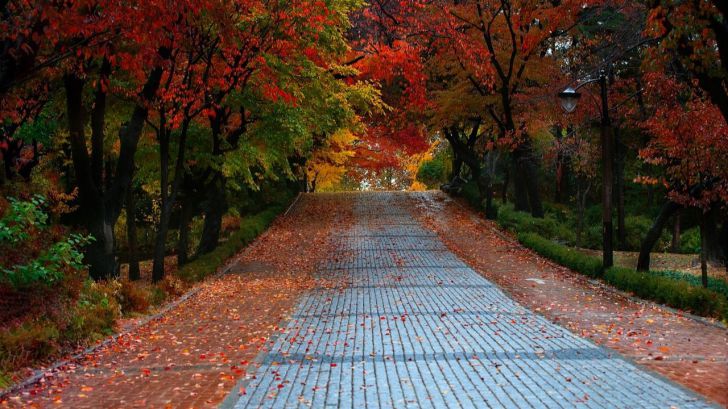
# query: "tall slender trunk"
{"points": [[520, 195], [183, 242], [582, 192], [506, 181], [619, 189], [163, 227], [675, 244], [169, 197], [131, 236], [703, 251], [216, 206]]}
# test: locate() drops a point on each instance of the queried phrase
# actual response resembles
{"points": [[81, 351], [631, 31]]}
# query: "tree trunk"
{"points": [[709, 229], [520, 195], [100, 209], [582, 192], [619, 189], [168, 197], [166, 209], [99, 253], [457, 166], [215, 209], [131, 236], [529, 197], [675, 244], [668, 209], [184, 231], [703, 251], [506, 181]]}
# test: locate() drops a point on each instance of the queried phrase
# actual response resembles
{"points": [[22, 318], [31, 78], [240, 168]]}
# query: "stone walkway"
{"points": [[408, 324]]}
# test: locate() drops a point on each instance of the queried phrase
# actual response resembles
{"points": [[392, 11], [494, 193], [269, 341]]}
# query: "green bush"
{"points": [[587, 265], [471, 194], [521, 222], [95, 313], [250, 228], [432, 172], [674, 293], [716, 284], [635, 228], [690, 241]]}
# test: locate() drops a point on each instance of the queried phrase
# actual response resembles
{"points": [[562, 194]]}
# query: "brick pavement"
{"points": [[408, 324]]}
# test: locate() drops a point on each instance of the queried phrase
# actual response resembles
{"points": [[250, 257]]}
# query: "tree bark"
{"points": [[131, 236], [506, 181], [668, 209], [166, 210], [709, 229], [703, 251], [215, 209], [184, 231], [99, 207], [457, 167], [520, 195], [675, 244], [619, 189], [99, 223]]}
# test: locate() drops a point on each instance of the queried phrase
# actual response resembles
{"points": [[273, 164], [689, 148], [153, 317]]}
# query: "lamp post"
{"points": [[569, 98]]}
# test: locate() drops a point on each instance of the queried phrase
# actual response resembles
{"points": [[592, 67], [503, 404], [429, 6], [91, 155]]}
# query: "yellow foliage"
{"points": [[328, 163], [417, 186], [412, 164]]}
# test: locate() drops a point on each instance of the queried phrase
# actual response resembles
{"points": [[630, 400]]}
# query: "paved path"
{"points": [[408, 324]]}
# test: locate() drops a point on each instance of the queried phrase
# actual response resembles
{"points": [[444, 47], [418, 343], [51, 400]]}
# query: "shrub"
{"points": [[690, 241], [250, 228], [95, 313], [674, 293], [471, 194], [521, 222], [635, 229], [27, 342], [133, 297], [678, 290], [587, 265], [432, 172], [716, 284], [5, 380]]}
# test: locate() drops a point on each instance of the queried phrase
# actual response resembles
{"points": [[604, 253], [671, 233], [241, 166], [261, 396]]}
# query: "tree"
{"points": [[694, 34], [674, 147]]}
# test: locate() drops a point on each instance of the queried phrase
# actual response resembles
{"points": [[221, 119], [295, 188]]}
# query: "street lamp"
{"points": [[569, 98]]}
